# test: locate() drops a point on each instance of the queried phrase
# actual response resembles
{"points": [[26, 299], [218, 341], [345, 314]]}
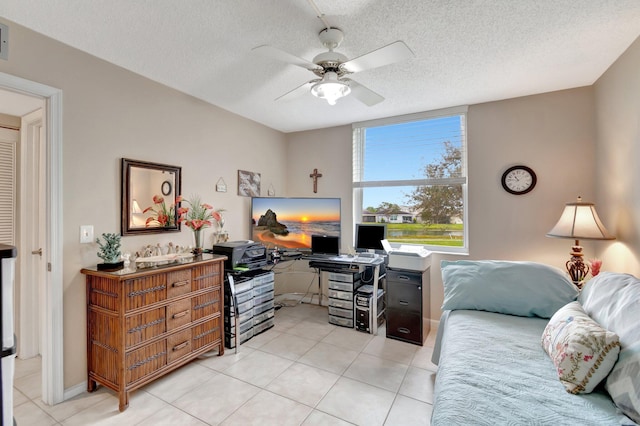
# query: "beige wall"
{"points": [[110, 113], [617, 175], [553, 133]]}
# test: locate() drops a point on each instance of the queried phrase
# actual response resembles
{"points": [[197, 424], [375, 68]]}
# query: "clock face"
{"points": [[518, 180]]}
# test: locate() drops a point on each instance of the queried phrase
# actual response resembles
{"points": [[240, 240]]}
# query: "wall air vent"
{"points": [[4, 42]]}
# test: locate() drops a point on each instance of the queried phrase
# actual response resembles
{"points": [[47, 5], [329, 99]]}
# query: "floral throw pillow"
{"points": [[582, 351]]}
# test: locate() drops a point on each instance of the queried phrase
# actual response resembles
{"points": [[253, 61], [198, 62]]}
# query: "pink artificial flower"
{"points": [[595, 266], [158, 199], [197, 215]]}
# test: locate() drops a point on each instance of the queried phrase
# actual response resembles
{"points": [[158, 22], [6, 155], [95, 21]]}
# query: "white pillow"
{"points": [[613, 300], [583, 352]]}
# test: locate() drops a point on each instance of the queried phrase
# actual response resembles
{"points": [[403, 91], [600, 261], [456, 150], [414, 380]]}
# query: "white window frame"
{"points": [[358, 169]]}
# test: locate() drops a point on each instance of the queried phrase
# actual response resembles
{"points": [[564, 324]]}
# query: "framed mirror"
{"points": [[149, 192]]}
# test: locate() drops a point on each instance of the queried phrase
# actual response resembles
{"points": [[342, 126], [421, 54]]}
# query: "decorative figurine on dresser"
{"points": [[145, 322]]}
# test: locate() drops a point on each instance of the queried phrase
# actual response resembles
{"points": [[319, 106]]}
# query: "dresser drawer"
{"points": [[206, 276], [142, 327], [143, 291], [205, 305], [178, 345], [206, 333], [178, 283], [178, 314], [145, 361]]}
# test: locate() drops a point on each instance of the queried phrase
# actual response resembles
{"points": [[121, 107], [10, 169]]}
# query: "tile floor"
{"points": [[303, 371]]}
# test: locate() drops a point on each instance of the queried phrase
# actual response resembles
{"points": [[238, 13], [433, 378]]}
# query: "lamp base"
{"points": [[577, 269]]}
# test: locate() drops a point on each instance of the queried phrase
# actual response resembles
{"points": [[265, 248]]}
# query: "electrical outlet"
{"points": [[86, 234]]}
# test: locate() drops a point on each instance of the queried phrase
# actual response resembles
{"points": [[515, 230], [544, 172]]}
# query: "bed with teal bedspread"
{"points": [[492, 369]]}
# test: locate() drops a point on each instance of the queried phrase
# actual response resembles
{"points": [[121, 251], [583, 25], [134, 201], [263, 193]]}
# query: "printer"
{"points": [[412, 258], [242, 255]]}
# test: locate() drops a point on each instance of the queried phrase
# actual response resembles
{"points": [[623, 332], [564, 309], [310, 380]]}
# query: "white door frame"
{"points": [[52, 309]]}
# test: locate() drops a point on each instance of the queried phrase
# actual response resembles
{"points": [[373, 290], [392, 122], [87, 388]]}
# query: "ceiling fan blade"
{"points": [[389, 54], [281, 55], [363, 94], [298, 91]]}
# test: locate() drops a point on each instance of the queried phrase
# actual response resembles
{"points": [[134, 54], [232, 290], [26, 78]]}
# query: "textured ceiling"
{"points": [[466, 52]]}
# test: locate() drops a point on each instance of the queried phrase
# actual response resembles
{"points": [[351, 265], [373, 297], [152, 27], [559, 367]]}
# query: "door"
{"points": [[32, 231]]}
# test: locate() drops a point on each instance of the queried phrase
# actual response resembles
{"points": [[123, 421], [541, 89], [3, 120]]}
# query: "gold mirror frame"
{"points": [[141, 181]]}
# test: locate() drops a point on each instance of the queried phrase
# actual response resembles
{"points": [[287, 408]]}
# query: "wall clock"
{"points": [[519, 180], [166, 188]]}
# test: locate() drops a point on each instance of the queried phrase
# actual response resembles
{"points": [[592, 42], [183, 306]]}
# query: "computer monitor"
{"points": [[325, 245], [369, 237]]}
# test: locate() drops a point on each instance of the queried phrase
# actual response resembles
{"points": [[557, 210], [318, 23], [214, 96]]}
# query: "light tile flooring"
{"points": [[303, 371]]}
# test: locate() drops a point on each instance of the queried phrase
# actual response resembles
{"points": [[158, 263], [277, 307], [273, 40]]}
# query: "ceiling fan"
{"points": [[332, 67]]}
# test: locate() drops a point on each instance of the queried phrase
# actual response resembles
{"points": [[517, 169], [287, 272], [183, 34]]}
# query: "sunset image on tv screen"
{"points": [[290, 222]]}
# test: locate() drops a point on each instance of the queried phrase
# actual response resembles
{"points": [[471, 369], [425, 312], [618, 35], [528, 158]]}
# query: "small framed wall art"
{"points": [[221, 185], [248, 184]]}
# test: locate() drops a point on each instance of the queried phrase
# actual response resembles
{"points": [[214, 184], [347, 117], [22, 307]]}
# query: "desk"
{"points": [[348, 264]]}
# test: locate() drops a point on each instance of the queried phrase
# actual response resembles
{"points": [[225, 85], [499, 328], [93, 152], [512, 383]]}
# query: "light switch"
{"points": [[86, 234]]}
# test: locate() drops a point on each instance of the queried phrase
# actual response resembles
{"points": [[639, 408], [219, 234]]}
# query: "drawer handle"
{"points": [[181, 346], [180, 314], [137, 293], [404, 330], [403, 277], [402, 302], [180, 283]]}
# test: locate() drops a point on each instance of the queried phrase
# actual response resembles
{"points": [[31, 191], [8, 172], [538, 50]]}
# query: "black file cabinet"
{"points": [[408, 310]]}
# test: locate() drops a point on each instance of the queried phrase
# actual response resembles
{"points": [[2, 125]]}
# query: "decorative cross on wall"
{"points": [[315, 175]]}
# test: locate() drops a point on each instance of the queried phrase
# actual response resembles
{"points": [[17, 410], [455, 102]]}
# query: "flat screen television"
{"points": [[369, 237], [289, 223]]}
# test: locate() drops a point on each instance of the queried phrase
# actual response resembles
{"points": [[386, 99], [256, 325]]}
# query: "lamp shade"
{"points": [[580, 221], [135, 208]]}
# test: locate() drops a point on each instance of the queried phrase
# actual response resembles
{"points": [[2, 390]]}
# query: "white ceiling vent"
{"points": [[4, 42]]}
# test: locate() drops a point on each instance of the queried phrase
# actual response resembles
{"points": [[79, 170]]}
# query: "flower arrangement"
{"points": [[197, 216], [161, 215]]}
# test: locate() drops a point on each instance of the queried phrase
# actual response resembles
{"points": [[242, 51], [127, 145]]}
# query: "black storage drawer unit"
{"points": [[408, 311], [405, 326], [404, 291]]}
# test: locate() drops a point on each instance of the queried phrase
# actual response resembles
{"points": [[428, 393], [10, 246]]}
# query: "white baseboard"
{"points": [[74, 391], [434, 324]]}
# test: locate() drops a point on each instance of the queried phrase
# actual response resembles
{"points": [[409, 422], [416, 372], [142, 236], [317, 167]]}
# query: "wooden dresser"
{"points": [[144, 323]]}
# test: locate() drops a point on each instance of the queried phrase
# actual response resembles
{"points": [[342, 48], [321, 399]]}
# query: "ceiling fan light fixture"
{"points": [[330, 88]]}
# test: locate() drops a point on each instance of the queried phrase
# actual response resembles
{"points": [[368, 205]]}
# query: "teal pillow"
{"points": [[526, 289]]}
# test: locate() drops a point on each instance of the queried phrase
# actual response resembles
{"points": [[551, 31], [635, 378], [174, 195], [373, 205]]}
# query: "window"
{"points": [[410, 172]]}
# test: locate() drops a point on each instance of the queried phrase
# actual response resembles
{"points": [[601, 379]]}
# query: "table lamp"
{"points": [[579, 221]]}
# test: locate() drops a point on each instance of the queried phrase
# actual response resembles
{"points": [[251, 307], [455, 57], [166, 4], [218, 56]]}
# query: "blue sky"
{"points": [[401, 151]]}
